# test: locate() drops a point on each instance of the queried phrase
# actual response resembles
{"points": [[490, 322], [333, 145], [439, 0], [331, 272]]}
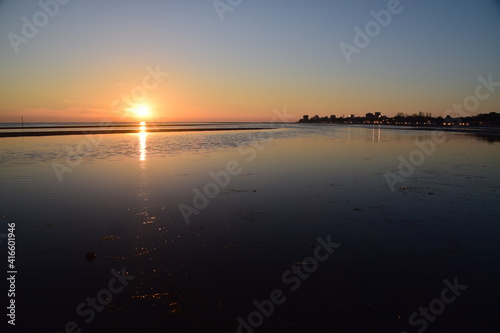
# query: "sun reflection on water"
{"points": [[142, 141]]}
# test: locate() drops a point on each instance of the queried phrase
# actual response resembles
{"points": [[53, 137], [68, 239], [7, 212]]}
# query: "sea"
{"points": [[250, 227]]}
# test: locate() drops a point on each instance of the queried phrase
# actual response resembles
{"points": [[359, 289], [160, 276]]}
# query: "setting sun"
{"points": [[141, 110]]}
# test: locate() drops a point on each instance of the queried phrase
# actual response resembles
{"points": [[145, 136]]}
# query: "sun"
{"points": [[140, 110]]}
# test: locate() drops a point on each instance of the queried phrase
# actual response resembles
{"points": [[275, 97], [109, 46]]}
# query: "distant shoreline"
{"points": [[476, 130], [112, 124], [121, 131], [471, 130], [94, 126]]}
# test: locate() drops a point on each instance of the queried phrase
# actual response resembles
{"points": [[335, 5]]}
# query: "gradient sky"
{"points": [[263, 55]]}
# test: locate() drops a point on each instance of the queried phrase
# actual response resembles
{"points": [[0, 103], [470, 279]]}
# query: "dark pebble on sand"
{"points": [[90, 256]]}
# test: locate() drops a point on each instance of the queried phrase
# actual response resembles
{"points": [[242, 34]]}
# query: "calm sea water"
{"points": [[118, 197], [103, 126]]}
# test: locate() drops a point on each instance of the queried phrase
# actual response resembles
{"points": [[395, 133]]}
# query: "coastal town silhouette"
{"points": [[491, 119]]}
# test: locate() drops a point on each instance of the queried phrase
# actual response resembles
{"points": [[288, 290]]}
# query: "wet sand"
{"points": [[122, 131]]}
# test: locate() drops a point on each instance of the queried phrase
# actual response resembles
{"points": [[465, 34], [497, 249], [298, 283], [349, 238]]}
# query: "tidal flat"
{"points": [[154, 232]]}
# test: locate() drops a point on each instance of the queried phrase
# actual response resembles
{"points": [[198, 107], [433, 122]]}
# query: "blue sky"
{"points": [[263, 55]]}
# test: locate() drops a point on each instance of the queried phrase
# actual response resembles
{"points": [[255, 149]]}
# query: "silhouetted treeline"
{"points": [[420, 119]]}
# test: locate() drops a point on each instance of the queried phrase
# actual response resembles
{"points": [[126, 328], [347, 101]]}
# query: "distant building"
{"points": [[305, 117]]}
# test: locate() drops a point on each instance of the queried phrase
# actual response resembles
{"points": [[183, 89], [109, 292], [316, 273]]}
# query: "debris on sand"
{"points": [[90, 256], [109, 238]]}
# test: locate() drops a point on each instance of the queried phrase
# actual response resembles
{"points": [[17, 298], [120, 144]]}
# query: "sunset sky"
{"points": [[262, 55]]}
